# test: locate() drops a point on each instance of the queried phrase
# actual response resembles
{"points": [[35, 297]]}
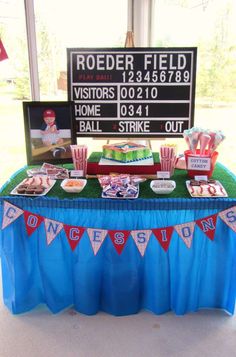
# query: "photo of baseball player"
{"points": [[49, 130]]}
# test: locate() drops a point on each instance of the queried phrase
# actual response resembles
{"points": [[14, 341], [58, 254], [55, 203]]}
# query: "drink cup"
{"points": [[79, 157]]}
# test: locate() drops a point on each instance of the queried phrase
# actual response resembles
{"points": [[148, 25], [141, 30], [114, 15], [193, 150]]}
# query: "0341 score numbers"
{"points": [[132, 110]]}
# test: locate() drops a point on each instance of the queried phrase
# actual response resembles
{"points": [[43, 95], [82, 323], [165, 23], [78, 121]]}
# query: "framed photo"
{"points": [[49, 132]]}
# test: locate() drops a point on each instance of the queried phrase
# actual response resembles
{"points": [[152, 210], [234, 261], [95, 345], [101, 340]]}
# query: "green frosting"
{"points": [[140, 154]]}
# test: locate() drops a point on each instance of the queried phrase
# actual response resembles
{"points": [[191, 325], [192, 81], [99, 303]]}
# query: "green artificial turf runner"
{"points": [[93, 189]]}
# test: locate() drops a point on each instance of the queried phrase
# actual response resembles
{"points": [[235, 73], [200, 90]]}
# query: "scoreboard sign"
{"points": [[132, 92]]}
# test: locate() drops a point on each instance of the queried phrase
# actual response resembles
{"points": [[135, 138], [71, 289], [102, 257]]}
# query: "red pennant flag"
{"points": [[164, 236], [119, 238], [73, 234], [3, 54], [208, 225], [32, 221]]}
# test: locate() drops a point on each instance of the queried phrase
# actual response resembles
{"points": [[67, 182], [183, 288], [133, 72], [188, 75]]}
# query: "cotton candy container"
{"points": [[198, 165], [201, 155]]}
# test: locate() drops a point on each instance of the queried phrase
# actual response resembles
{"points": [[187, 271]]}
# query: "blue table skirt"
{"points": [[181, 279]]}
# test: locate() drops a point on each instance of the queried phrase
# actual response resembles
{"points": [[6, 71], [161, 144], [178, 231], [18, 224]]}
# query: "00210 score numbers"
{"points": [[138, 92], [156, 76]]}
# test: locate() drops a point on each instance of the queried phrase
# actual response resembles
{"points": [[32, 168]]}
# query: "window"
{"points": [[14, 86], [59, 24], [74, 23], [211, 26]]}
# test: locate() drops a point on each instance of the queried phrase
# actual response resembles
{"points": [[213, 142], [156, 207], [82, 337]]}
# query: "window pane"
{"points": [[14, 87], [74, 23], [77, 23], [211, 26]]}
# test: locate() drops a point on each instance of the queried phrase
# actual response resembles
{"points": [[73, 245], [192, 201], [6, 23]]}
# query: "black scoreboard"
{"points": [[132, 92]]}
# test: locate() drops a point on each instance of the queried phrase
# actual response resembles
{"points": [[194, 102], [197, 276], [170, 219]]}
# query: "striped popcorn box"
{"points": [[79, 157], [167, 158]]}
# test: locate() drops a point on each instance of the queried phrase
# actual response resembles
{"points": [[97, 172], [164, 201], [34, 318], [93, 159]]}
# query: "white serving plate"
{"points": [[163, 187], [220, 190], [46, 190], [73, 189]]}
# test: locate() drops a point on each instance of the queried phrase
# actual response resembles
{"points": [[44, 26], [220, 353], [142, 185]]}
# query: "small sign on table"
{"points": [[76, 173], [163, 174]]}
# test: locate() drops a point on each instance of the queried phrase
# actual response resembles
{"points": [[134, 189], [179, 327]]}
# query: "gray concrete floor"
{"points": [[39, 333]]}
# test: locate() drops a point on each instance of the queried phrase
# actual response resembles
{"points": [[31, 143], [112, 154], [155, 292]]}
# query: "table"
{"points": [[180, 279]]}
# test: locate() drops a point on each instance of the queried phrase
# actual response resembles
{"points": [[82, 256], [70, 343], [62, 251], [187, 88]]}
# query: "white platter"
{"points": [[220, 190], [73, 189], [46, 190]]}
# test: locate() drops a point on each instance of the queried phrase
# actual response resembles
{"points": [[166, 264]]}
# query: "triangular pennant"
{"points": [[208, 225], [141, 238], [32, 221], [52, 229], [185, 231], [3, 53], [73, 234], [229, 217], [164, 236], [119, 239], [10, 214], [96, 237]]}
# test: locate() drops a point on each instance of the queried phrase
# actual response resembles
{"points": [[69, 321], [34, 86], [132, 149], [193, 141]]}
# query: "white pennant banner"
{"points": [[141, 238], [229, 217], [52, 229], [10, 214], [96, 237], [185, 231]]}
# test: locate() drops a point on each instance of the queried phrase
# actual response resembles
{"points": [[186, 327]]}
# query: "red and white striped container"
{"points": [[79, 157], [167, 158]]}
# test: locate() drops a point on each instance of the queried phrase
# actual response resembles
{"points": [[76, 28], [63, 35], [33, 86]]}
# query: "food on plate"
{"points": [[194, 183], [52, 171], [120, 186], [34, 186], [43, 181], [203, 188], [39, 190], [126, 152], [21, 189], [30, 189], [163, 186], [74, 183]]}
